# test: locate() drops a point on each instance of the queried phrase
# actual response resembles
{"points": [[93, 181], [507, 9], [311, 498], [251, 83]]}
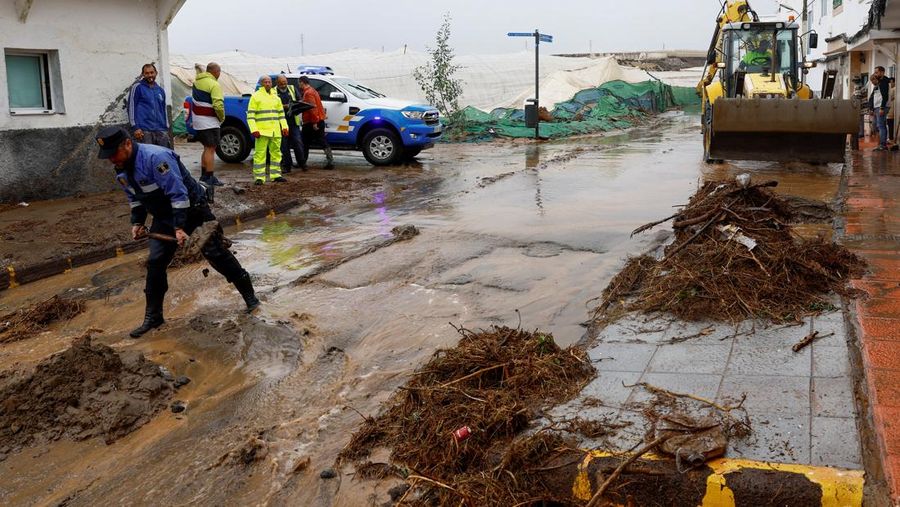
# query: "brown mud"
{"points": [[274, 396], [61, 228], [87, 391]]}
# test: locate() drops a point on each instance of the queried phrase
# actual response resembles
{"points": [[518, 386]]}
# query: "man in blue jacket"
{"points": [[157, 183], [147, 109]]}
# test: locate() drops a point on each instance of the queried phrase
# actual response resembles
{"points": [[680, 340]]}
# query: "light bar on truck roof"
{"points": [[315, 69]]}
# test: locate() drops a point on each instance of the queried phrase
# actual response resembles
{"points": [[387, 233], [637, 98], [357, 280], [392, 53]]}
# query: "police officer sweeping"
{"points": [[157, 183]]}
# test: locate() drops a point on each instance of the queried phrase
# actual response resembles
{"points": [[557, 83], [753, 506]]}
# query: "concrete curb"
{"points": [[14, 276], [721, 482]]}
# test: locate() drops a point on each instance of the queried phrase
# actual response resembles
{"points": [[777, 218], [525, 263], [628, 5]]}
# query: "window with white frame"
{"points": [[32, 81]]}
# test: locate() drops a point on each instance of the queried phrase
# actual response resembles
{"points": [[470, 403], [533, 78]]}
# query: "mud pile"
{"points": [[29, 321], [735, 257], [86, 391], [454, 423]]}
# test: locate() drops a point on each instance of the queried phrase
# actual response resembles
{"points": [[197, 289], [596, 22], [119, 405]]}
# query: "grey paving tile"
{"points": [[833, 397], [832, 322], [776, 336], [576, 408], [714, 333], [626, 438], [684, 358], [830, 361], [697, 384], [771, 394], [835, 443], [609, 387], [775, 438], [635, 329], [621, 356], [747, 359], [785, 336]]}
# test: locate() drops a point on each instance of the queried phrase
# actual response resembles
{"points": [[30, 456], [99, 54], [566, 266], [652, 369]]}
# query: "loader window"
{"points": [[753, 51], [787, 53]]}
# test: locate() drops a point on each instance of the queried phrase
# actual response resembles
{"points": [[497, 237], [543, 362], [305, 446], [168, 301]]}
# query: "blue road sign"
{"points": [[546, 38], [520, 34]]}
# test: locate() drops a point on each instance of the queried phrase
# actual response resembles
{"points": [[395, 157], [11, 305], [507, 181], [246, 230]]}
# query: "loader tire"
{"points": [[707, 136]]}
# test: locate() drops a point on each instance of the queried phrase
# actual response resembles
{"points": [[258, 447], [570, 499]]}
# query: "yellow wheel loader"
{"points": [[756, 103]]}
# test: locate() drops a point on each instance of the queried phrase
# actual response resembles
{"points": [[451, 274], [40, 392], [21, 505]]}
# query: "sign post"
{"points": [[538, 38]]}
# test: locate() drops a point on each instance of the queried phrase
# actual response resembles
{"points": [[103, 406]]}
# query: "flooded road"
{"points": [[510, 233]]}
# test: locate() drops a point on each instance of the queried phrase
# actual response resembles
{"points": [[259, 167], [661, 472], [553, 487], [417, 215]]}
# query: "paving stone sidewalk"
{"points": [[800, 404]]}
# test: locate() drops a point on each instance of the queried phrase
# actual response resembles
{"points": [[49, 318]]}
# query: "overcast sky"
{"points": [[273, 27]]}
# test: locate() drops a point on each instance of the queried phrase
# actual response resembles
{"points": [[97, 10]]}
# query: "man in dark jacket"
{"points": [[147, 109], [157, 183], [878, 102], [290, 96]]}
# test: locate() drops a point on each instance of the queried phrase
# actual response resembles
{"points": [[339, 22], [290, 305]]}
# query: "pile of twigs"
{"points": [[707, 273], [492, 383], [27, 322]]}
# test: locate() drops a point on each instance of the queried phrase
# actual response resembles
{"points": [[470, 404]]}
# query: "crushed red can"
{"points": [[462, 433]]}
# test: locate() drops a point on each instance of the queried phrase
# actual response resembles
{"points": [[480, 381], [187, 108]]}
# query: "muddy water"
{"points": [[510, 233]]}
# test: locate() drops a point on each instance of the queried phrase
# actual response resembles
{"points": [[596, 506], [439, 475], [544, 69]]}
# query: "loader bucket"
{"points": [[782, 130]]}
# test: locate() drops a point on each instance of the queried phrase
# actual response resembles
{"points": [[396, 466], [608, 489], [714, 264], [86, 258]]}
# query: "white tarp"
{"points": [[489, 81]]}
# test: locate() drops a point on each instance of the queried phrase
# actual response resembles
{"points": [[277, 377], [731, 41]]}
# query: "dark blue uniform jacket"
{"points": [[156, 182]]}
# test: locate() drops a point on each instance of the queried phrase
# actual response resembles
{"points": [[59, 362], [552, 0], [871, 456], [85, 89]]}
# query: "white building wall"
{"points": [[101, 45], [829, 22]]}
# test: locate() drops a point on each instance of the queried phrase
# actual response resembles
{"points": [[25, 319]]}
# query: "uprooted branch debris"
{"points": [[493, 383], [30, 321], [734, 257]]}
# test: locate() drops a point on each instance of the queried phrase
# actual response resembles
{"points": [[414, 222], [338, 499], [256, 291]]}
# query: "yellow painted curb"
{"points": [[12, 277], [840, 488]]}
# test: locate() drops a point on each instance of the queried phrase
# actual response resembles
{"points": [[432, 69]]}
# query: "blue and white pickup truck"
{"points": [[387, 131]]}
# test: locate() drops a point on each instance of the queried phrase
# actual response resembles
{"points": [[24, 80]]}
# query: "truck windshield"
{"points": [[357, 89]]}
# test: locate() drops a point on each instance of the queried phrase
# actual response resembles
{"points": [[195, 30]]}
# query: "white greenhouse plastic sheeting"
{"points": [[489, 81]]}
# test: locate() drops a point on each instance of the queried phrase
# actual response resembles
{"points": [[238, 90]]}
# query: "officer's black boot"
{"points": [[153, 316], [245, 286]]}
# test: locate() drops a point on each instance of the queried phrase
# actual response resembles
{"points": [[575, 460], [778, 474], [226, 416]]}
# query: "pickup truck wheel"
{"points": [[234, 147], [382, 147]]}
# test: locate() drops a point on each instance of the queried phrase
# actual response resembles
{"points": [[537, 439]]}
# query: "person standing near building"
{"points": [[890, 114], [208, 113], [157, 183], [289, 96], [265, 118], [878, 102], [147, 113], [314, 123]]}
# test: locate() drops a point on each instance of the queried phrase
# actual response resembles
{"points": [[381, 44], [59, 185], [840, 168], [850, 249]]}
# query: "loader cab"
{"points": [[760, 59]]}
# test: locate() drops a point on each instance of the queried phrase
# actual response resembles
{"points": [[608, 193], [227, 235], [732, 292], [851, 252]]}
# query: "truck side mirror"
{"points": [[337, 97], [711, 57], [813, 40]]}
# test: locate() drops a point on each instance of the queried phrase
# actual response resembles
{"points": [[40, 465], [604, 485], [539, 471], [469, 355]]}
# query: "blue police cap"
{"points": [[109, 140]]}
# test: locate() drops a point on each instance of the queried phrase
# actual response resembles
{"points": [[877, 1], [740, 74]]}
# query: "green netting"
{"points": [[178, 126], [179, 92], [613, 105]]}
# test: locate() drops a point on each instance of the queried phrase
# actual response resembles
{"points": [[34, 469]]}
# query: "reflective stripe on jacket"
{"points": [[265, 113], [208, 106], [156, 182]]}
